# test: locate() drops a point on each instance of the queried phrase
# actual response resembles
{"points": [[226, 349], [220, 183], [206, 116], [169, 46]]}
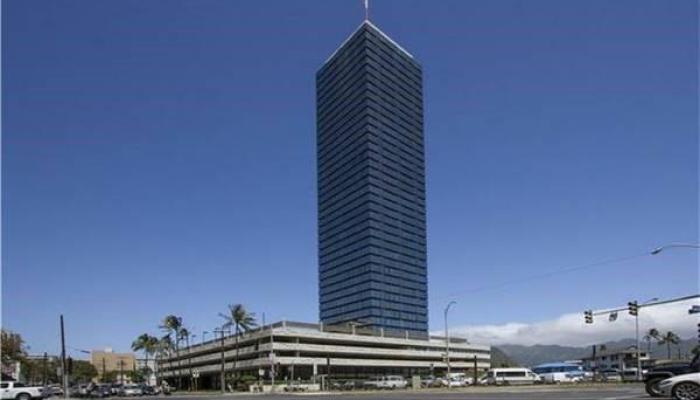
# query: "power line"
{"points": [[543, 275]]}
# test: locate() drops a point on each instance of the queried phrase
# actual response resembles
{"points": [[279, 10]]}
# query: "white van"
{"points": [[511, 376], [387, 382]]}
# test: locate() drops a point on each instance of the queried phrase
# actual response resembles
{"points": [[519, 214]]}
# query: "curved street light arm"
{"points": [[672, 245]]}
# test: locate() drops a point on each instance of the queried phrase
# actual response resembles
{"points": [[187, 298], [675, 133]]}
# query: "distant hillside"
{"points": [[500, 359], [538, 354]]}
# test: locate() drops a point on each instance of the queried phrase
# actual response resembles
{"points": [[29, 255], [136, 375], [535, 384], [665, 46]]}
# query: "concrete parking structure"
{"points": [[308, 351]]}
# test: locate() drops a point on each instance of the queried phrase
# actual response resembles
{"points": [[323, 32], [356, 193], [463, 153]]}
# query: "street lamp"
{"points": [[76, 349], [671, 245], [447, 343]]}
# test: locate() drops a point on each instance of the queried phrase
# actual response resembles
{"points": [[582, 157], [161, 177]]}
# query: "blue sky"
{"points": [[159, 157]]}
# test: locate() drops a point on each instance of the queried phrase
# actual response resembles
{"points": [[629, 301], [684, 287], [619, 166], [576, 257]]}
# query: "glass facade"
{"points": [[371, 185]]}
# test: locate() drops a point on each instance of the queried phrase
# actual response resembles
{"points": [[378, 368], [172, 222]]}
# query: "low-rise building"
{"points": [[106, 361], [308, 351], [621, 359]]}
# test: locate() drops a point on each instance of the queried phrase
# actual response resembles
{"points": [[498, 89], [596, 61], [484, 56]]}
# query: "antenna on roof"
{"points": [[366, 10]]}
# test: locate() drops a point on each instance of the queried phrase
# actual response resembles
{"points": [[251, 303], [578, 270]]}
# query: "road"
{"points": [[607, 392]]}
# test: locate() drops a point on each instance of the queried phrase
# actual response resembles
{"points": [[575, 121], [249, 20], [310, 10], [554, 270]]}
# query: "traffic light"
{"points": [[589, 316], [70, 365], [633, 308]]}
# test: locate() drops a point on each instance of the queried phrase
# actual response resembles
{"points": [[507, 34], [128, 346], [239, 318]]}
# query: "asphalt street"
{"points": [[621, 392]]}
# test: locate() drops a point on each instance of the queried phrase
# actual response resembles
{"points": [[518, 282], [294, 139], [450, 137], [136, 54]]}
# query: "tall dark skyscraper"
{"points": [[371, 185]]}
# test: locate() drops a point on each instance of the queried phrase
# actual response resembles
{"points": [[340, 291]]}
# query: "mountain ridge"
{"points": [[539, 354]]}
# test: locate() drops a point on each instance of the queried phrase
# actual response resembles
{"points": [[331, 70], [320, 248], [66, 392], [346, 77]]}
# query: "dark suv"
{"points": [[657, 374]]}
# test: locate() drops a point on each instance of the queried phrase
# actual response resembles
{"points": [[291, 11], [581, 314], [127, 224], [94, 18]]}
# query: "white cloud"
{"points": [[571, 330]]}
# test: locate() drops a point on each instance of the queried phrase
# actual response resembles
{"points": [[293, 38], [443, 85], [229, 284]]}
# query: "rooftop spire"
{"points": [[366, 10]]}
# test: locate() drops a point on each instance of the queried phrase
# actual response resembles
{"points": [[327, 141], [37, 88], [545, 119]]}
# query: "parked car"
{"points": [[432, 381], [116, 389], [20, 391], [53, 390], [164, 388], [78, 391], [458, 379], [511, 376], [101, 391], [681, 387], [655, 375], [349, 385], [610, 375], [387, 382], [630, 374], [132, 390], [148, 390]]}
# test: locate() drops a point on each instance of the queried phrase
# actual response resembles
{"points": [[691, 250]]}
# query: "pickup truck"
{"points": [[18, 391], [657, 374]]}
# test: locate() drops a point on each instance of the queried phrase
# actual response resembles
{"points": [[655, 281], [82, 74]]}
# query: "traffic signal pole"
{"points": [[633, 309]]}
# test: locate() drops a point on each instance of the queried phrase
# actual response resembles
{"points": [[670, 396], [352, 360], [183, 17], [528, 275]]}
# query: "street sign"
{"points": [[195, 374], [261, 372]]}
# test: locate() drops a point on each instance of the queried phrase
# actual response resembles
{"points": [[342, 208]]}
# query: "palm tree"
{"points": [[241, 320], [652, 334], [164, 348], [147, 344], [172, 325], [696, 350], [668, 339]]}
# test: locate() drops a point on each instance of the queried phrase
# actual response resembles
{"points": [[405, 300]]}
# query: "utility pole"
{"points": [[104, 369], [46, 369], [447, 344], [64, 368]]}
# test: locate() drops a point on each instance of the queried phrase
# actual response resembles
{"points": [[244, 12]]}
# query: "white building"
{"points": [[621, 359]]}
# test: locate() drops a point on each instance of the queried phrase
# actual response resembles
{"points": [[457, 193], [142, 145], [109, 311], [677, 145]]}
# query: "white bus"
{"points": [[511, 376]]}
